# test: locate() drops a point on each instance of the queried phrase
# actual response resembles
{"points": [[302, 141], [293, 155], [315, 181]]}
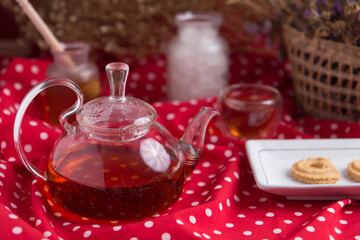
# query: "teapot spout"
{"points": [[192, 142]]}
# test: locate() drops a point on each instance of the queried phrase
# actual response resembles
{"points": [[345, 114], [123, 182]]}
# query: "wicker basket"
{"points": [[326, 76]]}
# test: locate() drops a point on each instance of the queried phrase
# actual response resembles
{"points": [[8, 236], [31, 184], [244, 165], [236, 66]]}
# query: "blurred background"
{"points": [[117, 28]]}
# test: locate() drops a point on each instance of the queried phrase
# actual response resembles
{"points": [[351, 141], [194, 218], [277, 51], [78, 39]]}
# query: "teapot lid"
{"points": [[116, 118]]}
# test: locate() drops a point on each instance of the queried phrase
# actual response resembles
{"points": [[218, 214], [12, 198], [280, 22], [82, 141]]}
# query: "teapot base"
{"points": [[126, 203]]}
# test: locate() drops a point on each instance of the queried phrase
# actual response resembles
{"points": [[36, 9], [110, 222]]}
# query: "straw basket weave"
{"points": [[326, 76]]}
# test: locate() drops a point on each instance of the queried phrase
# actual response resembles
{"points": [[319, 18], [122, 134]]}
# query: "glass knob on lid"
{"points": [[116, 118]]}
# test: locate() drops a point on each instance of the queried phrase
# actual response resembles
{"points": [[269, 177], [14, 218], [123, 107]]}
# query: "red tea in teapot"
{"points": [[112, 182]]}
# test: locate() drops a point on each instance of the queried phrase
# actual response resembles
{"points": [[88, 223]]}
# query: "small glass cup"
{"points": [[250, 111]]}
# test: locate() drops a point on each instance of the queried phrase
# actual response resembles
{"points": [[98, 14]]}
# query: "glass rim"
{"points": [[266, 88], [198, 18], [74, 47]]}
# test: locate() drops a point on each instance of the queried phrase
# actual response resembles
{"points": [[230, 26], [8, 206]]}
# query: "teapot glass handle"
{"points": [[63, 117]]}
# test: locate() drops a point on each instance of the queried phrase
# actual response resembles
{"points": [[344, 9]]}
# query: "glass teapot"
{"points": [[115, 162]]}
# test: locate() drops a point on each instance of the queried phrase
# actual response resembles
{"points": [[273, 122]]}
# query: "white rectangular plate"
{"points": [[271, 162]]}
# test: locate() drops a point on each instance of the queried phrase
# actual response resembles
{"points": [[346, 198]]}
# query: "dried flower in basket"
{"points": [[336, 20], [322, 43]]}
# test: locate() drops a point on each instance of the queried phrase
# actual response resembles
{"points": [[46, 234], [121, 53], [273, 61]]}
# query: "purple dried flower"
{"points": [[337, 8], [324, 2], [306, 13]]}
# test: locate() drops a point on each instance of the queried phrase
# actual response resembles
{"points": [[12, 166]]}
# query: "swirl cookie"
{"points": [[315, 171], [354, 170]]}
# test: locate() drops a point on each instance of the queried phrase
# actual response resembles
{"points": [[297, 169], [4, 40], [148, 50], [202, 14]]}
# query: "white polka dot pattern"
{"points": [[220, 200]]}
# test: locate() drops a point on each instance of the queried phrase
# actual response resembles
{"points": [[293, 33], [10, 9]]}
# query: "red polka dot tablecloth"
{"points": [[220, 200]]}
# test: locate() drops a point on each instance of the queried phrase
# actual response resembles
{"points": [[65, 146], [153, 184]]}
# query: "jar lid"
{"points": [[198, 18], [116, 118]]}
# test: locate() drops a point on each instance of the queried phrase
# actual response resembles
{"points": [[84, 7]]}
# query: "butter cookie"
{"points": [[315, 171], [354, 170]]}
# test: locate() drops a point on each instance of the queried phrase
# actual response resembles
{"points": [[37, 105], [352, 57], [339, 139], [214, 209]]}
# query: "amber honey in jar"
{"points": [[72, 63]]}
